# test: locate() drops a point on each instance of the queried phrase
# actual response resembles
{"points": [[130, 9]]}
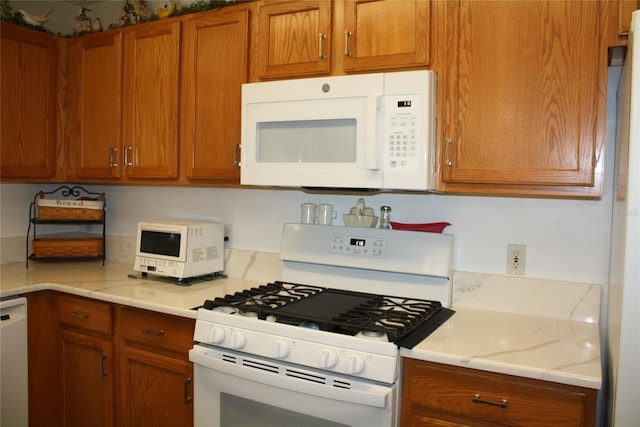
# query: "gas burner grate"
{"points": [[339, 311], [269, 296]]}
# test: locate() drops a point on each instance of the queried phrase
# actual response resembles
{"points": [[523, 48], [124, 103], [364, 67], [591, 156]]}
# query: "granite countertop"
{"points": [[543, 348], [112, 283], [524, 337]]}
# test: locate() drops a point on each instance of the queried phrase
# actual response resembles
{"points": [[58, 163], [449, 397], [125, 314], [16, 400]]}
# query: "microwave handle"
{"points": [[375, 121]]}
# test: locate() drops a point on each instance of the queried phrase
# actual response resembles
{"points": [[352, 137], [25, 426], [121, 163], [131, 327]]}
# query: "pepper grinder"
{"points": [[385, 217]]}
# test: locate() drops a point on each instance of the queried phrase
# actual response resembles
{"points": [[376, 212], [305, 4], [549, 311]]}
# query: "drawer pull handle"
{"points": [[236, 155], [185, 393], [103, 372], [477, 399], [321, 38], [347, 34], [79, 315], [150, 331], [447, 159]]}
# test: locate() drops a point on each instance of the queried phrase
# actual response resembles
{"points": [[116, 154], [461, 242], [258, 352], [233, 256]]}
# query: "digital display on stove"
{"points": [[358, 242]]}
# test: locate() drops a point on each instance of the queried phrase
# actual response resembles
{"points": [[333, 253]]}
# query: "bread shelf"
{"points": [[67, 206]]}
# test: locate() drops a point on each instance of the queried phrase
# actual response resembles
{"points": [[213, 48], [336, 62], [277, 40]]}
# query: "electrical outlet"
{"points": [[516, 259], [227, 235]]}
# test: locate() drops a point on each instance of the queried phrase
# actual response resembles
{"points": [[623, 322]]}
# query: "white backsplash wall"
{"points": [[565, 239]]}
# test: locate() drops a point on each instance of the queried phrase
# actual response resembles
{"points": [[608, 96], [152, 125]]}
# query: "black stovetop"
{"points": [[405, 321]]}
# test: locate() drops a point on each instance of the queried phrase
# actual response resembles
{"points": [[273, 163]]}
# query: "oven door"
{"points": [[233, 389]]}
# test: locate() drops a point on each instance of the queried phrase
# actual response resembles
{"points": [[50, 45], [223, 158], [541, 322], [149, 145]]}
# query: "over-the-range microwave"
{"points": [[179, 249], [371, 131]]}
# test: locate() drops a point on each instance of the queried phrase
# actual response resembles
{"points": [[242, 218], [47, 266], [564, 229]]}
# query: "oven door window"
{"points": [[240, 412]]}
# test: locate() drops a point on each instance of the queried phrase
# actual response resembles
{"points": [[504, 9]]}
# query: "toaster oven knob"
{"points": [[281, 349], [328, 359], [355, 364], [238, 339], [216, 335]]}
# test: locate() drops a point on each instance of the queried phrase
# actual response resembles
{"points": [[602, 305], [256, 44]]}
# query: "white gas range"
{"points": [[321, 347]]}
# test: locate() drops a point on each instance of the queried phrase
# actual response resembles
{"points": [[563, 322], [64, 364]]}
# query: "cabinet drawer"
{"points": [[164, 331], [494, 398], [85, 313]]}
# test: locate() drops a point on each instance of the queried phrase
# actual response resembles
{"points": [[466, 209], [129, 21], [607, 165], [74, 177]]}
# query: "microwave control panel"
{"points": [[401, 132], [160, 267]]}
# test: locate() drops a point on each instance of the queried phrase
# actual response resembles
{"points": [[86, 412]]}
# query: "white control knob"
{"points": [[238, 339], [328, 359], [281, 349], [216, 334], [355, 364]]}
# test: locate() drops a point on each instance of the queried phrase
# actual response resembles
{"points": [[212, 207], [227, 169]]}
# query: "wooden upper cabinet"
{"points": [[29, 94], [386, 34], [620, 12], [150, 99], [313, 38], [522, 96], [215, 67], [95, 107], [293, 38]]}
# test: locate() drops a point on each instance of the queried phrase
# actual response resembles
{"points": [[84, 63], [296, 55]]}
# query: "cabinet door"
{"points": [[155, 390], [95, 114], [523, 95], [386, 34], [150, 99], [87, 380], [215, 66], [28, 70], [620, 12], [293, 38]]}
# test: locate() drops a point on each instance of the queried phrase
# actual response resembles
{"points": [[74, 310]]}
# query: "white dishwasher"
{"points": [[14, 395]]}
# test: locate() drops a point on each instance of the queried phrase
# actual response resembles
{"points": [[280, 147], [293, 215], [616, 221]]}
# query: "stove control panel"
{"points": [[342, 354], [359, 246]]}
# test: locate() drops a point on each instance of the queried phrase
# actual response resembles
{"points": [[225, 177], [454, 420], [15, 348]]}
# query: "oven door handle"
{"points": [[369, 394]]}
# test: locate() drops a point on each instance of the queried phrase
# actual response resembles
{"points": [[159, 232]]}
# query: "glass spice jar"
{"points": [[385, 217]]}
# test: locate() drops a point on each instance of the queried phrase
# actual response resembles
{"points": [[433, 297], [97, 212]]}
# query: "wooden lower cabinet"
{"points": [[155, 390], [156, 386], [441, 395], [87, 380], [94, 363]]}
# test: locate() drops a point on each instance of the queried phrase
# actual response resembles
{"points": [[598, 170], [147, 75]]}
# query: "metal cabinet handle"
{"points": [[112, 162], [236, 155], [127, 149], [149, 331], [321, 38], [103, 372], [447, 160], [79, 315], [502, 403], [347, 34], [185, 393]]}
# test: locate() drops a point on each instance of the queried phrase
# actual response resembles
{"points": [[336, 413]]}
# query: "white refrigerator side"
{"points": [[623, 346]]}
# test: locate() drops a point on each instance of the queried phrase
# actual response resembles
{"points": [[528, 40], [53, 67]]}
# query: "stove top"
{"points": [[404, 321]]}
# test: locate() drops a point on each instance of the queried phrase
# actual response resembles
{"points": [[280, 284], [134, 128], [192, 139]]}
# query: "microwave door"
{"points": [[312, 143]]}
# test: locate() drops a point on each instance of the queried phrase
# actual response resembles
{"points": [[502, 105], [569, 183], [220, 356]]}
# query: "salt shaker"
{"points": [[385, 217]]}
